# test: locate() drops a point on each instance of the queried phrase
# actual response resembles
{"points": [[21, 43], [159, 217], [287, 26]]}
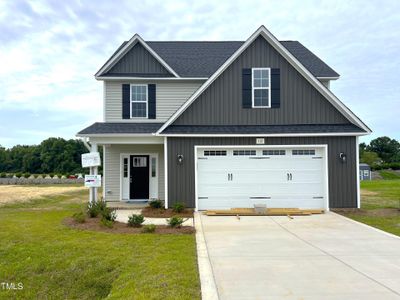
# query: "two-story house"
{"points": [[226, 124]]}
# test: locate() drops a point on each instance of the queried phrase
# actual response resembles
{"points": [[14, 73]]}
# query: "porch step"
{"points": [[127, 205]]}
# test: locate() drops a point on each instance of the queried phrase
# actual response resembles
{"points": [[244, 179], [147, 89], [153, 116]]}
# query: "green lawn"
{"points": [[379, 205], [56, 262]]}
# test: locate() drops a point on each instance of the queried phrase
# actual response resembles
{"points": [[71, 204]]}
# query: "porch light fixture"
{"points": [[343, 157], [180, 159]]}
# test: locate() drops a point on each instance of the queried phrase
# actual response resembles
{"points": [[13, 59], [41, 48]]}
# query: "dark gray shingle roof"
{"points": [[261, 129], [202, 58], [120, 128]]}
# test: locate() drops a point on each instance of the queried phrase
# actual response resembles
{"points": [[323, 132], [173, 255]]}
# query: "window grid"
{"points": [[215, 153], [303, 152], [139, 102], [244, 152], [125, 167], [274, 152], [261, 87]]}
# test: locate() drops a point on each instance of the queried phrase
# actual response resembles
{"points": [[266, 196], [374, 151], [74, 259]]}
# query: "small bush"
{"points": [[3, 175], [150, 228], [135, 220], [26, 175], [95, 209], [175, 222], [178, 207], [51, 175], [18, 174], [107, 223], [79, 217], [108, 214], [156, 204]]}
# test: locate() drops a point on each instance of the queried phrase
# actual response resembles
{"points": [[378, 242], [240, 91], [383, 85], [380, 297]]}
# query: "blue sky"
{"points": [[50, 50]]}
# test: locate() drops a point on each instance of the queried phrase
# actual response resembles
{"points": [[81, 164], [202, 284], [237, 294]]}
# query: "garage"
{"points": [[278, 176]]}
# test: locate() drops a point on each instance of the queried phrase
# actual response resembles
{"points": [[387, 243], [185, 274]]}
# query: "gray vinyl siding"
{"points": [[221, 102], [112, 169], [139, 61], [342, 176], [170, 95]]}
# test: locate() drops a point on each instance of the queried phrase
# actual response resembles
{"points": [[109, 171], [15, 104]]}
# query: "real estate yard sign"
{"points": [[93, 181], [91, 159]]}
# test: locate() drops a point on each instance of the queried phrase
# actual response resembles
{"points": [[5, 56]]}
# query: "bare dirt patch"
{"points": [[93, 224], [380, 212], [165, 213], [17, 193], [368, 193]]}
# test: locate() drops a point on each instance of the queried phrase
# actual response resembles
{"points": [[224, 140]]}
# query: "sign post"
{"points": [[92, 160]]}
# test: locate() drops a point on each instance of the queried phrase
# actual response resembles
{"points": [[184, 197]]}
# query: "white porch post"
{"points": [[93, 171]]}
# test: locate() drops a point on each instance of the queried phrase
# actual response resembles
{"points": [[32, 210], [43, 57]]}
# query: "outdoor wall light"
{"points": [[342, 157], [180, 159]]}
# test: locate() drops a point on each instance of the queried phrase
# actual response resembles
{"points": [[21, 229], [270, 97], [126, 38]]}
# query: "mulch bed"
{"points": [[381, 212], [165, 213], [93, 224]]}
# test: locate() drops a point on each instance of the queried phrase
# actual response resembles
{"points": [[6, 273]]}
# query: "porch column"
{"points": [[93, 171]]}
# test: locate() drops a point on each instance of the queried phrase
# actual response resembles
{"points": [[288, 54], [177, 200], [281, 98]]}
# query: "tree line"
{"points": [[381, 153], [53, 155]]}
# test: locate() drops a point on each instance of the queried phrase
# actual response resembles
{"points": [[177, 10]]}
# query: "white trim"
{"points": [[146, 101], [265, 135], [253, 88], [116, 134], [121, 170], [292, 60], [358, 173], [104, 101], [322, 146], [104, 173], [150, 78], [166, 172], [327, 78], [135, 39]]}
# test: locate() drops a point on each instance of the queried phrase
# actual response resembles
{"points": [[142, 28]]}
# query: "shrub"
{"points": [[95, 208], [150, 228], [108, 214], [175, 222], [3, 175], [178, 207], [51, 175], [156, 204], [26, 175], [79, 217], [18, 174], [107, 223], [135, 220]]}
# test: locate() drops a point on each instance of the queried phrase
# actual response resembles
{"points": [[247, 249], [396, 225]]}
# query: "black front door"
{"points": [[139, 179]]}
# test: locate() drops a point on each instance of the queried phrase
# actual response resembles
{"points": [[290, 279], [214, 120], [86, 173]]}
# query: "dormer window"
{"points": [[139, 101], [261, 87]]}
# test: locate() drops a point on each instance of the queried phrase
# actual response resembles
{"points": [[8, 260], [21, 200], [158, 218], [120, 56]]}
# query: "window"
{"points": [[261, 87], [125, 167], [244, 152], [303, 152], [138, 101], [139, 162], [153, 167], [366, 173], [274, 152], [215, 153]]}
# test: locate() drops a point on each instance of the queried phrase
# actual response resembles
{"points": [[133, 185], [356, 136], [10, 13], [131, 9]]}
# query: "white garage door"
{"points": [[278, 177]]}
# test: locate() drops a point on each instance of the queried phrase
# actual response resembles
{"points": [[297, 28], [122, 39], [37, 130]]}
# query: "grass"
{"points": [[388, 175], [56, 262], [380, 201]]}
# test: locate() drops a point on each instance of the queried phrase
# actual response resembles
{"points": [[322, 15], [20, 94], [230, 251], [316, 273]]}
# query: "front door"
{"points": [[139, 177]]}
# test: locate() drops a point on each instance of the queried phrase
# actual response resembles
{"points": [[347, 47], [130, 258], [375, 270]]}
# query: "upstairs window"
{"points": [[261, 87], [139, 103]]}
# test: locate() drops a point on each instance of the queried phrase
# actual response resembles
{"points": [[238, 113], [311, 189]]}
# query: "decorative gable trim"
{"points": [[292, 60], [121, 52]]}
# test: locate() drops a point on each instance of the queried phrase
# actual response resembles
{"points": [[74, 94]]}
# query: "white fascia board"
{"points": [[266, 135], [151, 78], [327, 78], [292, 60], [116, 135], [135, 39]]}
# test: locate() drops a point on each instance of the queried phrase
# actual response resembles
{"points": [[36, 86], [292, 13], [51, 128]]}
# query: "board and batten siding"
{"points": [[221, 102], [342, 176], [112, 166], [170, 95]]}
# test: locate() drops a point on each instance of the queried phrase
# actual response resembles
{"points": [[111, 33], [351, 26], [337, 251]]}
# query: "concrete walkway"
{"points": [[309, 257]]}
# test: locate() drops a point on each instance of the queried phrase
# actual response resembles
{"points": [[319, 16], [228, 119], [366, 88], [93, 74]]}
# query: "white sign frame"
{"points": [[91, 159], [92, 181]]}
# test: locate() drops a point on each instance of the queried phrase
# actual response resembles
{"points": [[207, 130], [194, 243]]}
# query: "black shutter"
{"points": [[246, 88], [275, 88], [126, 110], [152, 101]]}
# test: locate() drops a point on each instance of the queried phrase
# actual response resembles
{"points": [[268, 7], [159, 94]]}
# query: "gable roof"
{"points": [[119, 128], [262, 31], [200, 59]]}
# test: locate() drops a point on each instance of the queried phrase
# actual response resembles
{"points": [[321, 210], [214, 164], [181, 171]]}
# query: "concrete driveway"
{"points": [[309, 257]]}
